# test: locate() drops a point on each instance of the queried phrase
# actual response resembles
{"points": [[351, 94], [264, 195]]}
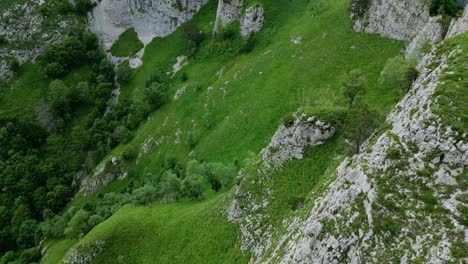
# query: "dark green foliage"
{"points": [[82, 7], [193, 186], [144, 195], [72, 51], [170, 187], [359, 8], [155, 95], [447, 9], [288, 120], [31, 255], [14, 65], [225, 43], [3, 40], [296, 203], [26, 233], [360, 124], [184, 77], [399, 72], [124, 73], [353, 86]]}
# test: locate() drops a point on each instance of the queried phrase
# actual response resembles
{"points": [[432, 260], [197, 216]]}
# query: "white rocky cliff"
{"points": [[231, 10], [397, 201], [150, 18], [401, 20], [458, 25]]}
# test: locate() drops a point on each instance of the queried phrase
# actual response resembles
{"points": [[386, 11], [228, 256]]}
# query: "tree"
{"points": [[26, 233], [14, 65], [193, 186], [144, 195], [155, 95], [78, 223], [83, 6], [170, 187], [55, 69], [58, 97], [360, 124], [219, 175], [124, 73], [399, 72], [354, 85], [106, 69]]}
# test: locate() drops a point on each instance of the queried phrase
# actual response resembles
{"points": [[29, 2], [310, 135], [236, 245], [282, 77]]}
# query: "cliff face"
{"points": [[150, 18], [396, 19], [402, 199], [401, 20], [459, 25], [24, 36]]}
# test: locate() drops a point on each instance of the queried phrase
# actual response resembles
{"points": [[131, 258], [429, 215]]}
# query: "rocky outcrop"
{"points": [[252, 21], [288, 143], [24, 36], [433, 32], [150, 18], [104, 173], [396, 19], [290, 140], [228, 12], [84, 253], [400, 200], [458, 25]]}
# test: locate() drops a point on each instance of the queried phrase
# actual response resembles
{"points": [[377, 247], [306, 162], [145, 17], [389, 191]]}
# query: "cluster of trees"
{"points": [[33, 179], [174, 183], [77, 48], [399, 72], [360, 121], [79, 7], [192, 181], [38, 160], [227, 41], [155, 91]]}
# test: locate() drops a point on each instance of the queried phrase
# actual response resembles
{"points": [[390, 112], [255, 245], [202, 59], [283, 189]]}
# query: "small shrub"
{"points": [[184, 77], [288, 120], [3, 40], [296, 203], [393, 153], [155, 95], [82, 7], [124, 73], [130, 153]]}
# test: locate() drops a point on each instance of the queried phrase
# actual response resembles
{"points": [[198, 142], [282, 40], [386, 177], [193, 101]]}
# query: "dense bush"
{"points": [[72, 51], [399, 72], [360, 124], [124, 73], [155, 95]]}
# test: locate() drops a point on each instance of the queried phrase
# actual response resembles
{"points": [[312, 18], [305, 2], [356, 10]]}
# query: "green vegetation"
{"points": [[238, 91], [451, 93], [399, 72], [128, 44]]}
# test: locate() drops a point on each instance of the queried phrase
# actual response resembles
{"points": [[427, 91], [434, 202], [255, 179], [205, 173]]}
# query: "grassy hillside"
{"points": [[231, 107]]}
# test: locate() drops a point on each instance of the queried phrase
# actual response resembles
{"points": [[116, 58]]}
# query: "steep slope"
{"points": [[403, 199], [150, 18], [231, 105]]}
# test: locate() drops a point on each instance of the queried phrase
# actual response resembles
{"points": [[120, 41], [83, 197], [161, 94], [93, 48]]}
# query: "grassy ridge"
{"points": [[186, 232]]}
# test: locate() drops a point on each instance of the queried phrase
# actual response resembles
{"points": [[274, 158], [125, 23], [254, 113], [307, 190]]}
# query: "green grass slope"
{"points": [[243, 99], [127, 44]]}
